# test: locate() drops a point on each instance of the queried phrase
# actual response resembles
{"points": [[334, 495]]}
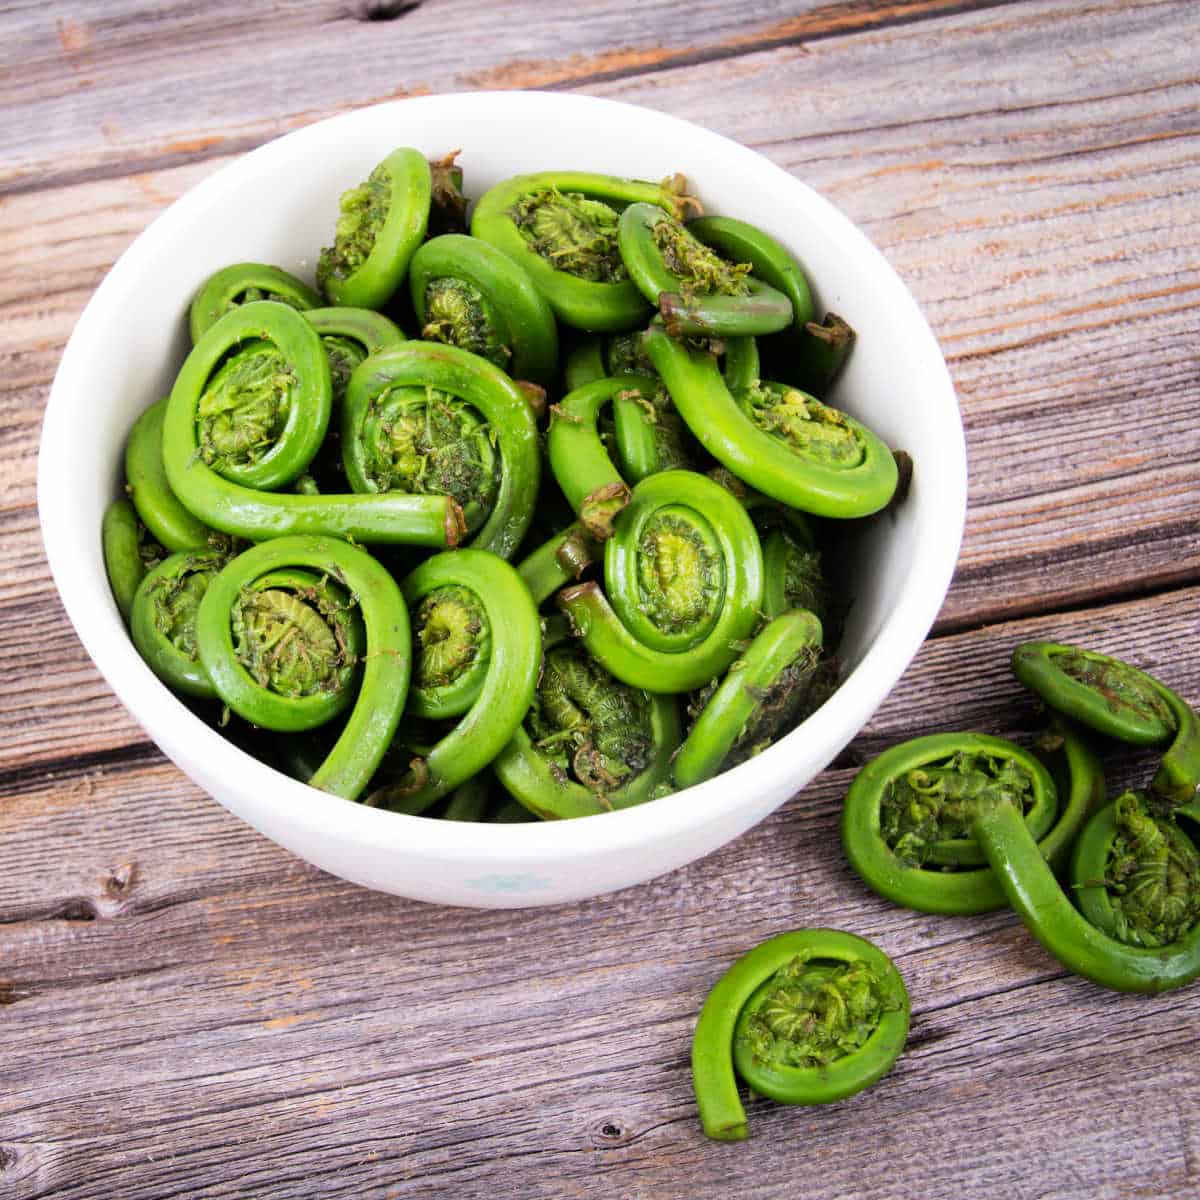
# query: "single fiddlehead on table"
{"points": [[382, 222], [283, 654], [807, 1017], [1121, 702], [218, 463], [423, 419], [500, 602], [780, 441], [244, 283], [683, 586], [469, 294], [908, 819], [589, 743], [561, 227]]}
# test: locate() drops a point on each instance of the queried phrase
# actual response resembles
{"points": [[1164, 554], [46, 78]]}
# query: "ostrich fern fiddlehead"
{"points": [[808, 1017]]}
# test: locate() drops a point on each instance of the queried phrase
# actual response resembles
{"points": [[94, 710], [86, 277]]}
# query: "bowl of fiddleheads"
{"points": [[516, 611]]}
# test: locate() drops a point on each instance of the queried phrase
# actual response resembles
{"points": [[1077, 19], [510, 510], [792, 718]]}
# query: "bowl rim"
{"points": [[850, 708]]}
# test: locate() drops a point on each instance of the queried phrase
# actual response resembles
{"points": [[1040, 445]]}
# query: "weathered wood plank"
{"points": [[217, 976], [93, 81]]}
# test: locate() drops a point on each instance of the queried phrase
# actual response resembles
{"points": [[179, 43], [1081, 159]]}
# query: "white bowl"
{"points": [[278, 205]]}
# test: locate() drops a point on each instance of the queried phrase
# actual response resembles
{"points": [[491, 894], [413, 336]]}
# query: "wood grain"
{"points": [[92, 80], [188, 1011]]}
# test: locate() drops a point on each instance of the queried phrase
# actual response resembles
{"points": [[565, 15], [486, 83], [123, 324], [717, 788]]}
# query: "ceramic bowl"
{"points": [[278, 204]]}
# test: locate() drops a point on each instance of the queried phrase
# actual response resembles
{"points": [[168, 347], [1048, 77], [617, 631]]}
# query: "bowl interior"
{"points": [[279, 205]]}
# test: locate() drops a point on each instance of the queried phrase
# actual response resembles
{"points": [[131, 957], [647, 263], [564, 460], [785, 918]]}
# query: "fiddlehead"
{"points": [[761, 697], [513, 657], [349, 335], [892, 827], [217, 467], [245, 283], [697, 292], [448, 205], [741, 242], [808, 354], [1136, 874], [581, 464], [683, 576], [561, 227], [468, 294], [558, 561], [284, 661], [1121, 702], [382, 222], [425, 419], [589, 744], [172, 525], [808, 1017], [163, 619], [782, 442], [128, 553]]}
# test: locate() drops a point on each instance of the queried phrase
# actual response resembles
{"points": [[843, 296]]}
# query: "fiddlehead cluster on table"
{"points": [[660, 625], [1135, 871]]}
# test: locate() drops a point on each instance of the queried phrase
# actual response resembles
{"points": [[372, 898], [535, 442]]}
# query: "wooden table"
{"points": [[188, 1011]]}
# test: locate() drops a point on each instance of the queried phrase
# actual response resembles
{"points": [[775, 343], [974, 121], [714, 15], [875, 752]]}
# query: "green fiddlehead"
{"points": [[245, 283], [427, 419], [742, 242], [589, 744], [782, 442], [761, 697], [683, 576], [697, 292], [296, 647], [349, 335], [513, 657], [557, 562], [808, 1017], [172, 525], [382, 222], [448, 205], [469, 294], [894, 840], [453, 639], [236, 505], [1121, 702], [561, 227], [581, 464], [128, 553], [1136, 874], [164, 615]]}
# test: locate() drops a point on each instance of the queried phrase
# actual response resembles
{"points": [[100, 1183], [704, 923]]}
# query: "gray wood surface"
{"points": [[188, 1011]]}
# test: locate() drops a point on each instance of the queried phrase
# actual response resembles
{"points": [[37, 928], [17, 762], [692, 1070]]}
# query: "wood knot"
{"points": [[120, 881], [10, 993], [610, 1132], [382, 10], [8, 1158]]}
